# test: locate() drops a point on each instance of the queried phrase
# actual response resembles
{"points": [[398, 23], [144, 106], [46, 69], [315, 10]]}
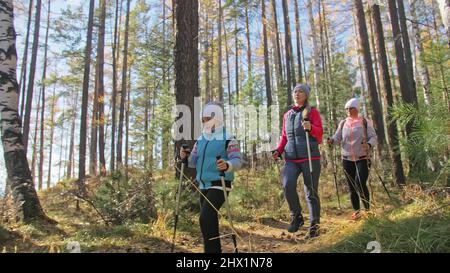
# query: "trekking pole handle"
{"points": [[308, 120], [186, 149], [279, 155], [222, 173]]}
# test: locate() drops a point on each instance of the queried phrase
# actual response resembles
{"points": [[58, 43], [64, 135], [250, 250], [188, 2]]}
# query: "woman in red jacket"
{"points": [[301, 122]]}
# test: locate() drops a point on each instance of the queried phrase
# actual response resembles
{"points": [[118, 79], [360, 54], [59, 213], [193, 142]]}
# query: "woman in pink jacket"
{"points": [[356, 136]]}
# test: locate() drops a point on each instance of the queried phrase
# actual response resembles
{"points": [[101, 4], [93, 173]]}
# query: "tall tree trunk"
{"points": [[400, 57], [84, 103], [249, 50], [52, 133], [266, 55], [23, 70], [394, 149], [298, 38], [101, 87], [207, 62], [115, 53], [290, 68], [127, 124], [421, 66], [219, 55], [316, 58], [44, 77], [26, 201], [360, 66], [146, 129], [186, 63], [370, 76], [94, 132], [34, 52], [375, 59], [124, 89], [34, 145], [329, 68], [407, 50], [62, 147], [70, 163], [279, 65], [236, 55], [227, 51]]}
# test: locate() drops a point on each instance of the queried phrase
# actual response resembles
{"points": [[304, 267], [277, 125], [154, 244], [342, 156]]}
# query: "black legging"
{"points": [[357, 182], [209, 220]]}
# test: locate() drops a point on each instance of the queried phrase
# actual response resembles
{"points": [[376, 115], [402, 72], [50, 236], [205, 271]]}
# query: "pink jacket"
{"points": [[352, 136]]}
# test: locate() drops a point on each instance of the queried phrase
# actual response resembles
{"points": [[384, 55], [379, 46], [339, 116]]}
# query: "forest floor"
{"points": [[414, 220]]}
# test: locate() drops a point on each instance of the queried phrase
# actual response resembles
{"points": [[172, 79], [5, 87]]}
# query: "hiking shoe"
{"points": [[296, 223], [355, 216], [313, 232]]}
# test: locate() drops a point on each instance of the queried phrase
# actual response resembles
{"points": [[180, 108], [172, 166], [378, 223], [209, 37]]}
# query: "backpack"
{"points": [[341, 126]]}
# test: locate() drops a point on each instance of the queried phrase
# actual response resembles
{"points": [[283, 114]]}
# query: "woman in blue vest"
{"points": [[213, 142], [300, 122]]}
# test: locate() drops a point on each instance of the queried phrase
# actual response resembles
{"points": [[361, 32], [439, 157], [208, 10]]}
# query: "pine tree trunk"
{"points": [[370, 76], [360, 67], [266, 55], [124, 90], [72, 138], [207, 64], [316, 58], [375, 59], [227, 54], [127, 124], [23, 74], [94, 132], [394, 149], [298, 38], [44, 77], [236, 55], [52, 133], [34, 52], [62, 147], [279, 65], [101, 87], [329, 69], [290, 71], [115, 53], [34, 145], [26, 201], [400, 58], [84, 104], [249, 51], [219, 55], [407, 50], [186, 63], [146, 129]]}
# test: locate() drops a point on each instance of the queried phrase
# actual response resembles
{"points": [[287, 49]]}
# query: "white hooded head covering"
{"points": [[213, 110], [353, 103]]}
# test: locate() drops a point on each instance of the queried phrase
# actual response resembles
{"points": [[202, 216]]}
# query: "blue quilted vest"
{"points": [[296, 147], [209, 147]]}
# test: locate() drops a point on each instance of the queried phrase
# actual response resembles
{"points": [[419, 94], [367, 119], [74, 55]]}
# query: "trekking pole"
{"points": [[370, 165], [382, 181], [335, 177], [184, 162], [309, 150], [227, 204]]}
